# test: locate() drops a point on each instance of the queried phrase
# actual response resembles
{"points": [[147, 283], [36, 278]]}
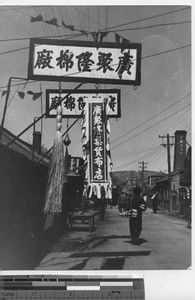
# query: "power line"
{"points": [[13, 8], [151, 118], [132, 162], [151, 126], [163, 52], [144, 19], [15, 50], [112, 27], [72, 35], [35, 121], [135, 151], [18, 84], [159, 155], [152, 26], [143, 156], [177, 122], [80, 11], [159, 53], [17, 24]]}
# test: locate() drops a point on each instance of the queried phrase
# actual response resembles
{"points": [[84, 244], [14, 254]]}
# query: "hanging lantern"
{"points": [[67, 140]]}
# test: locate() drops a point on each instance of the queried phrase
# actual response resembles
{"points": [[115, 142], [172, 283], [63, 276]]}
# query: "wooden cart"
{"points": [[84, 217]]}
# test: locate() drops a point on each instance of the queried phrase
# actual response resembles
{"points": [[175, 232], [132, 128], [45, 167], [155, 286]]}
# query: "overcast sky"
{"points": [[165, 75]]}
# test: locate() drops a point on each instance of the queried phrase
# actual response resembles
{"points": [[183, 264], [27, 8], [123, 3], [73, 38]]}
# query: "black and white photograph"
{"points": [[95, 137]]}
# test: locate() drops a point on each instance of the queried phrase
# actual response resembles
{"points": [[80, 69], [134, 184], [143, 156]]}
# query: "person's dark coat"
{"points": [[136, 206]]}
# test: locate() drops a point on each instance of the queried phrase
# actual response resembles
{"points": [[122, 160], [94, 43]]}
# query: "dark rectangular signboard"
{"points": [[73, 105]]}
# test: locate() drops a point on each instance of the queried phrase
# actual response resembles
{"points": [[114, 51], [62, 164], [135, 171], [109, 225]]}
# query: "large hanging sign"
{"points": [[73, 105], [58, 60], [97, 161], [96, 153]]}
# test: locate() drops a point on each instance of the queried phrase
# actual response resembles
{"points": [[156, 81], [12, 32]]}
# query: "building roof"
{"points": [[186, 174], [172, 173], [159, 174], [21, 147]]}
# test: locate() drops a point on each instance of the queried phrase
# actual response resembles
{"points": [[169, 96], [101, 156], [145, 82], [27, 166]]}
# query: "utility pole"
{"points": [[167, 145], [132, 180], [143, 171]]}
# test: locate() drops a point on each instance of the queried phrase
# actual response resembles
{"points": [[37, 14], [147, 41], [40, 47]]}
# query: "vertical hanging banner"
{"points": [[62, 60], [97, 159], [96, 152]]}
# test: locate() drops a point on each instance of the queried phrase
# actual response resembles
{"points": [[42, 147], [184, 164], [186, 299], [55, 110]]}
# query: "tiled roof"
{"points": [[21, 147], [159, 174], [166, 178]]}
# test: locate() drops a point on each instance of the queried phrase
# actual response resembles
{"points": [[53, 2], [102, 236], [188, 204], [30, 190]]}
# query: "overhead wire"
{"points": [[153, 26], [86, 15], [135, 160], [149, 150], [155, 54], [131, 162], [178, 121], [150, 127], [153, 155], [13, 96], [21, 7], [132, 152], [157, 157], [38, 119], [75, 35], [152, 55], [107, 28], [142, 27], [42, 25], [50, 27], [121, 136], [148, 18], [81, 26], [18, 25]]}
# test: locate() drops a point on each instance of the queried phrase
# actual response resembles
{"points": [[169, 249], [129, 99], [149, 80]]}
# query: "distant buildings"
{"points": [[180, 178]]}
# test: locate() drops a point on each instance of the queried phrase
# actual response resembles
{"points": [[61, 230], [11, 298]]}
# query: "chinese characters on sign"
{"points": [[82, 61], [98, 159], [73, 105]]}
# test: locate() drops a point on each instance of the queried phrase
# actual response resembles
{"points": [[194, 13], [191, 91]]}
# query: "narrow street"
{"points": [[165, 244]]}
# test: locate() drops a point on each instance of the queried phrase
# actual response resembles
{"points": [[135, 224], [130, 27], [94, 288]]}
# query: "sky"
{"points": [[159, 106]]}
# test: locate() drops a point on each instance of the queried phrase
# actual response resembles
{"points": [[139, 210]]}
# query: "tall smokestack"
{"points": [[37, 142], [180, 149]]}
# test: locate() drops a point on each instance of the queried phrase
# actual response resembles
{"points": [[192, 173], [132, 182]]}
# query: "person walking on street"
{"points": [[102, 204], [122, 202], [155, 202], [135, 208]]}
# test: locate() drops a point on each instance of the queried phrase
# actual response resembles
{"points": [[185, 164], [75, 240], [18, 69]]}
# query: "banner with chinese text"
{"points": [[96, 153], [63, 60], [73, 105], [97, 161]]}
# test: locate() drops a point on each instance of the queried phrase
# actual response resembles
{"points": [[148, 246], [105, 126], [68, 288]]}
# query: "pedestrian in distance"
{"points": [[122, 202], [102, 204], [135, 208], [155, 202]]}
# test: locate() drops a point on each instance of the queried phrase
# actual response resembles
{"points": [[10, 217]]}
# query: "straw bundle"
{"points": [[56, 176]]}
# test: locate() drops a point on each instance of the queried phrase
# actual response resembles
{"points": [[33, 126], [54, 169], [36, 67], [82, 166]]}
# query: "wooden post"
{"points": [[169, 175]]}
